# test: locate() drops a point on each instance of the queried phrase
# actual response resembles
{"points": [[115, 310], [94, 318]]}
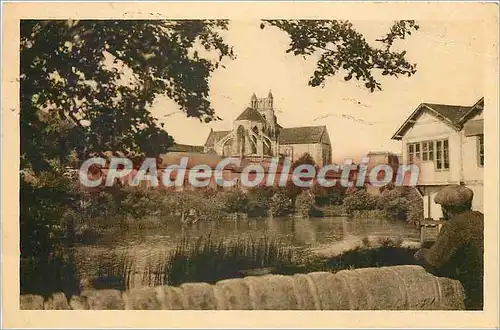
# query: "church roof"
{"points": [[251, 114], [177, 147], [292, 135], [215, 136], [301, 135]]}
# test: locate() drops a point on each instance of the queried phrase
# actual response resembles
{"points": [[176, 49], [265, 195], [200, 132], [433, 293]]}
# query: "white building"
{"points": [[447, 143]]}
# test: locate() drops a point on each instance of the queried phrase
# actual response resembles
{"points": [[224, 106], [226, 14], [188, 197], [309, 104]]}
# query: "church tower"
{"points": [[253, 101], [265, 106]]}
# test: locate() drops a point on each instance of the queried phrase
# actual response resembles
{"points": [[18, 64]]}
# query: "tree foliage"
{"points": [[304, 159], [86, 85], [341, 48]]}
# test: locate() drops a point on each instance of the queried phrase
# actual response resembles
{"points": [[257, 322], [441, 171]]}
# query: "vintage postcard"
{"points": [[251, 164]]}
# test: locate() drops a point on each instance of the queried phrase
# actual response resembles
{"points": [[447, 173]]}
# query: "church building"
{"points": [[256, 135]]}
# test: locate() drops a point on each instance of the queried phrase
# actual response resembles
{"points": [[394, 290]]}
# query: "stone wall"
{"points": [[384, 288]]}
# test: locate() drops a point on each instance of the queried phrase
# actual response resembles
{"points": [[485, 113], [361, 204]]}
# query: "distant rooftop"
{"points": [[177, 147]]}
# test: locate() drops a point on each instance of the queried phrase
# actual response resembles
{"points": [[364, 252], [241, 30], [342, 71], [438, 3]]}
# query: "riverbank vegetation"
{"points": [[399, 203]]}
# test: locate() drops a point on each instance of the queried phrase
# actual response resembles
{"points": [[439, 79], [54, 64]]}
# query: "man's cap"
{"points": [[455, 195]]}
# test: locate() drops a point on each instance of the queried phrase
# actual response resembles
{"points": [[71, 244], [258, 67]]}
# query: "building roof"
{"points": [[453, 115], [385, 153], [474, 110], [177, 147], [251, 114], [292, 135], [193, 159], [301, 135], [215, 136]]}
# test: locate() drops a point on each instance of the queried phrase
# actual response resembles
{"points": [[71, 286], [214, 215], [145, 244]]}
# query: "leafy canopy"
{"points": [[86, 85], [341, 47]]}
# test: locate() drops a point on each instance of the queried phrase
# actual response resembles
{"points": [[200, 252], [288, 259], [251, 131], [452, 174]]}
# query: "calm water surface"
{"points": [[145, 245]]}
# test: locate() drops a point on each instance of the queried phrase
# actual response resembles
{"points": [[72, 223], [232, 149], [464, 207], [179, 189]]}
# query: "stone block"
{"points": [[237, 294], [78, 303], [305, 292], [384, 288], [104, 299], [199, 296], [271, 292], [30, 302], [220, 298], [421, 287], [332, 291], [57, 301], [142, 299], [172, 298], [356, 290]]}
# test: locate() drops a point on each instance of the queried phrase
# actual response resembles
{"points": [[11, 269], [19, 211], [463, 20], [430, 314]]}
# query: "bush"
{"points": [[369, 214], [304, 203], [328, 195], [260, 200], [403, 203], [359, 200], [233, 201], [292, 190], [394, 204], [336, 195], [280, 204], [149, 207], [198, 204]]}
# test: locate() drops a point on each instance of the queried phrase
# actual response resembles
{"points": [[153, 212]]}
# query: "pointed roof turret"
{"points": [[254, 97], [270, 95]]}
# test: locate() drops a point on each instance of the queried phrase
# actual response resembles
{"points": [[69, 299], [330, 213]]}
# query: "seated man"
{"points": [[458, 250]]}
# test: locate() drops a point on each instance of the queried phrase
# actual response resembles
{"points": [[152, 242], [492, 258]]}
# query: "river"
{"points": [[327, 233]]}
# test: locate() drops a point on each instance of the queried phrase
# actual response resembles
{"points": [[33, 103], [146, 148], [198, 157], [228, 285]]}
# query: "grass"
{"points": [[209, 260], [114, 271]]}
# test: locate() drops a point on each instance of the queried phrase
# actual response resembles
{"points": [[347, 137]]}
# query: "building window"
{"points": [[480, 149], [428, 151], [442, 155], [413, 152]]}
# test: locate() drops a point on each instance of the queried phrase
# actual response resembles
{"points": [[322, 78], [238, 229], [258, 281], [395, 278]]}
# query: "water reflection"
{"points": [[294, 231]]}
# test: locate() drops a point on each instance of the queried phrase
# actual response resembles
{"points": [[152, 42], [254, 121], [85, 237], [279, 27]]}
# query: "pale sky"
{"points": [[449, 61]]}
